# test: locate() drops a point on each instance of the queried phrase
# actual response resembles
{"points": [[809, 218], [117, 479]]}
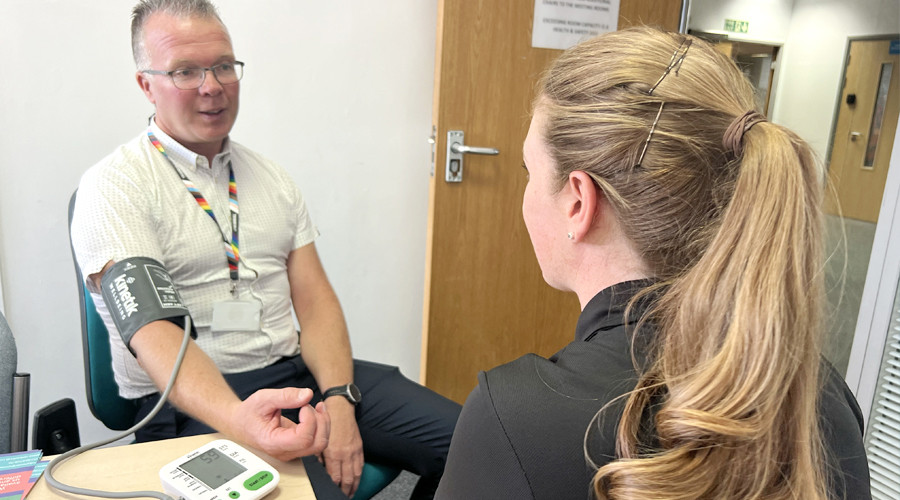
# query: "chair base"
{"points": [[56, 428]]}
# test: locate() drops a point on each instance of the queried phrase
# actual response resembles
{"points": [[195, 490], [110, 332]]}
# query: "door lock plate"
{"points": [[454, 167]]}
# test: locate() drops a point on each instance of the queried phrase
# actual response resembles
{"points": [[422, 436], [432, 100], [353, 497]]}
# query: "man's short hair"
{"points": [[177, 8]]}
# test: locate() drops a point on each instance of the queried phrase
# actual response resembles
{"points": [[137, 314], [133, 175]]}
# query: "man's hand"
{"points": [[344, 454], [258, 422]]}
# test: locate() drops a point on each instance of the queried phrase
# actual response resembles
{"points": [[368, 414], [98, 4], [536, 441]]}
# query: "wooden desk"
{"points": [[136, 467]]}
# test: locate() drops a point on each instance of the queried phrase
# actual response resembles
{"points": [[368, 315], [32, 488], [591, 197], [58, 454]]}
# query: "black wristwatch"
{"points": [[349, 391]]}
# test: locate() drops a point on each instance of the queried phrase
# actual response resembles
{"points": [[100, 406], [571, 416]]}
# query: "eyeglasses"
{"points": [[192, 78]]}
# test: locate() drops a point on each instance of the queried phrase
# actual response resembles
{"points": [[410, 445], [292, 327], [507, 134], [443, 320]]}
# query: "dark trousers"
{"points": [[402, 424]]}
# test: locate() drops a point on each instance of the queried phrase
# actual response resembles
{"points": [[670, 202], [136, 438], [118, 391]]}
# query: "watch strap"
{"points": [[346, 390]]}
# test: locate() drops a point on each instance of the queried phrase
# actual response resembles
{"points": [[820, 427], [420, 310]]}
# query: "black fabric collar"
{"points": [[607, 309]]}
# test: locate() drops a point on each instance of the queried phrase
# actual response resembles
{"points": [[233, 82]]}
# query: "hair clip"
{"points": [[652, 129], [675, 61]]}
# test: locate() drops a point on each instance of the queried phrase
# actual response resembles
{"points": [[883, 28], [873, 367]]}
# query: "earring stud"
{"points": [[570, 235]]}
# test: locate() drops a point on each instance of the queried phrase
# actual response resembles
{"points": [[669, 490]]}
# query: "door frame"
{"points": [[685, 15]]}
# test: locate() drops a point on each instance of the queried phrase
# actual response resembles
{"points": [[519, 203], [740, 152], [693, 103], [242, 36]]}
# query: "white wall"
{"points": [[339, 93], [813, 59], [768, 20]]}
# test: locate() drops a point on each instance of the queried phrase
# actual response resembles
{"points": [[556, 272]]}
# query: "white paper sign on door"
{"points": [[560, 24]]}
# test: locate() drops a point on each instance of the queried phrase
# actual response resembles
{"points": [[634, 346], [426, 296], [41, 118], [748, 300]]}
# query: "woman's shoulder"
{"points": [[545, 405], [581, 371], [842, 431], [837, 404]]}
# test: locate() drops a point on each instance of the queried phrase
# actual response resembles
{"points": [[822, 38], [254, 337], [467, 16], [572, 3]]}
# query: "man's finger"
{"points": [[334, 470], [323, 426], [291, 397], [307, 431], [274, 400], [347, 485], [349, 480]]}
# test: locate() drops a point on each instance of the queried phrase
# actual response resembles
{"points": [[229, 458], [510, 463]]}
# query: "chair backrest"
{"points": [[8, 360], [15, 390], [116, 412]]}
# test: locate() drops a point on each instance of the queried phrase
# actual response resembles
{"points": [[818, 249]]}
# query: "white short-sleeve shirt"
{"points": [[134, 204]]}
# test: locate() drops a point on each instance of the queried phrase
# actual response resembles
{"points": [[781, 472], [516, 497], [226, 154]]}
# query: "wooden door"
{"points": [[864, 133], [485, 300]]}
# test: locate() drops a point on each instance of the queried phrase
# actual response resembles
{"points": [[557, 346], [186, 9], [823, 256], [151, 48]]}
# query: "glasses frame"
{"points": [[211, 69]]}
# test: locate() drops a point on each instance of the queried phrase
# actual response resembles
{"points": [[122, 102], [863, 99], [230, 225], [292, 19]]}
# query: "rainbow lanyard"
{"points": [[231, 249]]}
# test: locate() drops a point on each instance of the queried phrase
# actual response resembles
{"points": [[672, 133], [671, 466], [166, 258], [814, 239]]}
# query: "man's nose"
{"points": [[210, 85]]}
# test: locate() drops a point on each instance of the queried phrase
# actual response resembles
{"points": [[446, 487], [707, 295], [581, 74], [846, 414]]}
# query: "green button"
{"points": [[234, 494], [258, 480]]}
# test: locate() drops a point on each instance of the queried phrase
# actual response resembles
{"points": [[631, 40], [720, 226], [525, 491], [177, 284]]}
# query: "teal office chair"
{"points": [[117, 413]]}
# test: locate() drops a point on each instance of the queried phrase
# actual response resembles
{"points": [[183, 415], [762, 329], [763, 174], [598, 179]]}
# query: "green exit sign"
{"points": [[735, 26]]}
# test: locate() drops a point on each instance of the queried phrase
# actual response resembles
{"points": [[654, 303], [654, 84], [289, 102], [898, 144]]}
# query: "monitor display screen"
{"points": [[212, 468]]}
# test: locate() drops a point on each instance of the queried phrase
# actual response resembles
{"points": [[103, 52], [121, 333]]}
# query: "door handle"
{"points": [[460, 148], [854, 136], [456, 148]]}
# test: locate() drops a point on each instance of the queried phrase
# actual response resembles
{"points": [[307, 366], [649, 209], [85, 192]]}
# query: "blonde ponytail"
{"points": [[735, 240]]}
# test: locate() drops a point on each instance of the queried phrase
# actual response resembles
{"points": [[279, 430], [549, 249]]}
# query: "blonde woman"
{"points": [[690, 228]]}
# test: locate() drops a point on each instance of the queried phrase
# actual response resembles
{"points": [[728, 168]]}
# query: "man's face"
{"points": [[200, 118]]}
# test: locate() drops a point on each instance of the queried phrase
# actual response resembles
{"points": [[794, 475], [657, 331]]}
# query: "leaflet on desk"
{"points": [[18, 473]]}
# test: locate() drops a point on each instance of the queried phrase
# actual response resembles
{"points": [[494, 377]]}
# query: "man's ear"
{"points": [[584, 198], [143, 81]]}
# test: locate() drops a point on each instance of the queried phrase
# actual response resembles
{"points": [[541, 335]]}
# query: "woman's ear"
{"points": [[581, 211]]}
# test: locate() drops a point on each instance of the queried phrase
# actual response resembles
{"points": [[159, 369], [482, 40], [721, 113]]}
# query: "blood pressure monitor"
{"points": [[219, 470]]}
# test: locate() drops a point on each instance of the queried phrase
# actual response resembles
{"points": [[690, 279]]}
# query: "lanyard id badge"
{"points": [[237, 316]]}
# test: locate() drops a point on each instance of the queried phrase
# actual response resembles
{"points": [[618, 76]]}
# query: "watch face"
{"points": [[349, 391], [354, 393]]}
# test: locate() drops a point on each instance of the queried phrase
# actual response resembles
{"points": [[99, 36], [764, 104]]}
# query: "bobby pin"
{"points": [[652, 128], [675, 61]]}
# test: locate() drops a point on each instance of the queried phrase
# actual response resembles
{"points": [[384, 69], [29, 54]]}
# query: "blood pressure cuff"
{"points": [[139, 291]]}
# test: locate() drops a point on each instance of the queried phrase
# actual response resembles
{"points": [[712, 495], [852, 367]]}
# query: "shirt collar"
{"points": [[607, 309], [183, 156]]}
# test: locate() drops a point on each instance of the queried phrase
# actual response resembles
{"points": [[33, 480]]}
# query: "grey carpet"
{"points": [[844, 284]]}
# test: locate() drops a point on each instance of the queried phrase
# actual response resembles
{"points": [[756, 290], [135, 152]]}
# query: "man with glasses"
{"points": [[233, 231]]}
